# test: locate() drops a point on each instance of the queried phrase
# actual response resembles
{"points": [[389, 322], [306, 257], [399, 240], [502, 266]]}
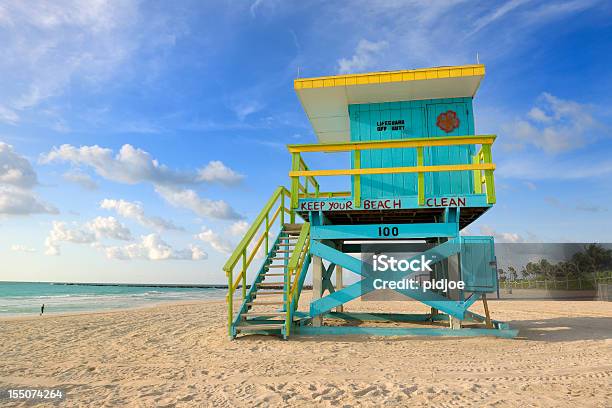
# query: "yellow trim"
{"points": [[392, 170], [326, 194], [390, 76], [397, 143]]}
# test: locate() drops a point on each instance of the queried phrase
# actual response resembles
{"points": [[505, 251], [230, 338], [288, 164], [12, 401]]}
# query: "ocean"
{"points": [[26, 298]]}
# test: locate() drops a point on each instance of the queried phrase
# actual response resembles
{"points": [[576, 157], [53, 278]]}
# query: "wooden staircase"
{"points": [[264, 308]]}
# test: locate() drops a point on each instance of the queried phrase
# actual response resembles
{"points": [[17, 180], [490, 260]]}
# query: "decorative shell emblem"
{"points": [[448, 121]]}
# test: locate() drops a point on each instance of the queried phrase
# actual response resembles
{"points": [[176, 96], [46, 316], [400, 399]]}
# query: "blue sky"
{"points": [[140, 138]]}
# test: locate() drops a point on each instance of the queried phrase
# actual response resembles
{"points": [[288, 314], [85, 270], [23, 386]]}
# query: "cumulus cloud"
{"points": [[554, 125], [153, 247], [511, 237], [239, 228], [148, 247], [188, 198], [215, 240], [364, 57], [90, 233], [135, 211], [217, 172], [17, 201], [109, 227], [17, 180], [15, 169], [132, 165], [22, 248], [82, 179], [60, 232]]}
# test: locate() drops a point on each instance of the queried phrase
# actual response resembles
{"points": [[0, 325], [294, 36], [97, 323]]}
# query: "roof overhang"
{"points": [[326, 99]]}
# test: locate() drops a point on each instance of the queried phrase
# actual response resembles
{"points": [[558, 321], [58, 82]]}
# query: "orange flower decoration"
{"points": [[448, 121]]}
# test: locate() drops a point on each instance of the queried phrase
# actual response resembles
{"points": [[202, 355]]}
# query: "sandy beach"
{"points": [[180, 355]]}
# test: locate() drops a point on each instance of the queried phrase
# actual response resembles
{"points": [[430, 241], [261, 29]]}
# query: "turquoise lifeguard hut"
{"points": [[418, 173]]}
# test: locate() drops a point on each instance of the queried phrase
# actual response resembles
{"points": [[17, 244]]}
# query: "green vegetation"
{"points": [[582, 271]]}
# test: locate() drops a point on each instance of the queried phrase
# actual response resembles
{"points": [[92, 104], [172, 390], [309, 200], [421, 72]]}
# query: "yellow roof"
{"points": [[326, 99]]}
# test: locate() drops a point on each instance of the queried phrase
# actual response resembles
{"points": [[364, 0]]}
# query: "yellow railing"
{"points": [[294, 273], [481, 162], [249, 245]]}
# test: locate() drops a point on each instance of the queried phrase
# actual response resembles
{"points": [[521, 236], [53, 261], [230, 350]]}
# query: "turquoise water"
{"points": [[26, 298]]}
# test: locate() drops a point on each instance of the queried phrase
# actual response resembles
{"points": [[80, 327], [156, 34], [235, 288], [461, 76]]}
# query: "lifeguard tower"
{"points": [[417, 173]]}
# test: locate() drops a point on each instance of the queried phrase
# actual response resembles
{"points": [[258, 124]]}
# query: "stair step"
{"points": [[259, 327], [256, 314], [270, 292], [292, 227], [282, 258], [284, 251], [275, 266], [273, 302], [274, 274], [288, 239]]}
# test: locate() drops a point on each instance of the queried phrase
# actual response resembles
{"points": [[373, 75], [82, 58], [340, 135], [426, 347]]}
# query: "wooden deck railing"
{"points": [[481, 163]]}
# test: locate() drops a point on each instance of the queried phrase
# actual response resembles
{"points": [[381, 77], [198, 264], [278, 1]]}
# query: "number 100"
{"points": [[388, 232]]}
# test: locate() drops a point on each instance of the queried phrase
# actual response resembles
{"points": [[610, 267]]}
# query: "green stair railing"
{"points": [[251, 243], [296, 272]]}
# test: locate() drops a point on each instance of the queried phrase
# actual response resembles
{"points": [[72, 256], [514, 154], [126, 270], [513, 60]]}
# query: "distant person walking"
{"points": [[42, 309]]}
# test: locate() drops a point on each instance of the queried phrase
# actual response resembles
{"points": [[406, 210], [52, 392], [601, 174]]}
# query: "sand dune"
{"points": [[179, 355]]}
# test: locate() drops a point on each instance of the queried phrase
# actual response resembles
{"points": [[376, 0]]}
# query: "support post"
{"points": [[339, 286], [477, 175], [282, 210], [357, 179], [230, 304], [244, 267], [421, 177], [488, 321], [454, 275], [295, 180], [317, 285], [489, 181]]}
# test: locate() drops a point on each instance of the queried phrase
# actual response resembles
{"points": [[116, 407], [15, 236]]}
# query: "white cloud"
{"points": [[245, 108], [239, 228], [8, 116], [219, 243], [534, 167], [22, 248], [131, 165], [496, 14], [17, 201], [152, 247], [364, 57], [15, 169], [217, 172], [49, 46], [90, 233], [62, 233], [187, 198], [554, 125], [109, 227], [135, 211], [17, 179], [82, 179], [511, 237]]}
